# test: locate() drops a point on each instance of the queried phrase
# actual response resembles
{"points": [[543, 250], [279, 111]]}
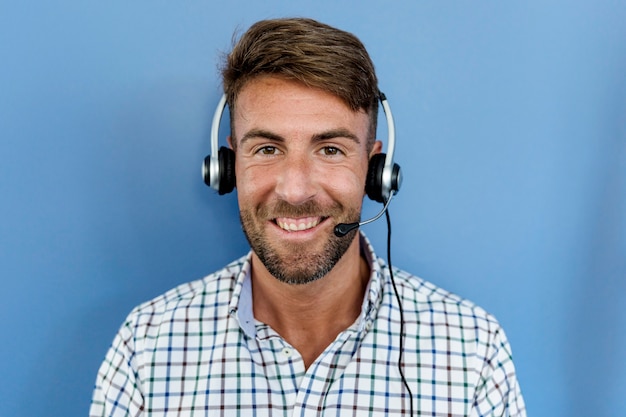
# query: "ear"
{"points": [[230, 143], [376, 148]]}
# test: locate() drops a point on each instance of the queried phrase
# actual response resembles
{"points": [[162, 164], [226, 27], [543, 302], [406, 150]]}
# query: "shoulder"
{"points": [[440, 321], [425, 303], [424, 293], [206, 297], [446, 331]]}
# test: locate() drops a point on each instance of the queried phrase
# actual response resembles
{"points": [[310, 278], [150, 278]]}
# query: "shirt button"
{"points": [[287, 352]]}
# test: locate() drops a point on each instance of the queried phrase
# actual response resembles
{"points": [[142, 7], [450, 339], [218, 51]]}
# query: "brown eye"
{"points": [[330, 151], [268, 150]]}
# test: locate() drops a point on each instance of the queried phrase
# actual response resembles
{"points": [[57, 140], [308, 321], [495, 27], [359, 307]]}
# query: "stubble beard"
{"points": [[296, 263]]}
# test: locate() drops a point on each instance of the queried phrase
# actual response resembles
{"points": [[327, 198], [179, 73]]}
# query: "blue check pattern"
{"points": [[198, 351]]}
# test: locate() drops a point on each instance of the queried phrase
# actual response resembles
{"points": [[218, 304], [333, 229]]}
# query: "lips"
{"points": [[299, 224]]}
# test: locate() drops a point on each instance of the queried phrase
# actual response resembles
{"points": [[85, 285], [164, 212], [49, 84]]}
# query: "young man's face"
{"points": [[301, 162]]}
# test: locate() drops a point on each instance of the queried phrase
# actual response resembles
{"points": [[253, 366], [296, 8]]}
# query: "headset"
{"points": [[383, 175]]}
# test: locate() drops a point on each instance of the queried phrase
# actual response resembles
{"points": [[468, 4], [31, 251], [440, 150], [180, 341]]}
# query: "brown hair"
{"points": [[307, 51]]}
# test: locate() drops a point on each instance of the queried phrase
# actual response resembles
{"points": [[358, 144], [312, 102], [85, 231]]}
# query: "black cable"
{"points": [[395, 290]]}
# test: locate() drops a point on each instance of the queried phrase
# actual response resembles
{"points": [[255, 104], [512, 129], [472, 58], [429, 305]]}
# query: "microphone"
{"points": [[343, 229]]}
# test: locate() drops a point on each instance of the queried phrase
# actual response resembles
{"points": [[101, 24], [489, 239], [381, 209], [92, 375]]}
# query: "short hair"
{"points": [[307, 51]]}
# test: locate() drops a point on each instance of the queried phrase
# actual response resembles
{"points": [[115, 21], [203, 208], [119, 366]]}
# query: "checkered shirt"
{"points": [[198, 351]]}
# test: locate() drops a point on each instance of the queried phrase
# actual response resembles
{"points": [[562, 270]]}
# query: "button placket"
{"points": [[287, 352]]}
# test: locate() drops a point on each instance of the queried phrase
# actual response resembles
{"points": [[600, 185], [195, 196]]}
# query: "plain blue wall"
{"points": [[511, 123]]}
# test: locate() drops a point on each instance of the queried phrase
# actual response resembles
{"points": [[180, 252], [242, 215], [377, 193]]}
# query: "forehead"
{"points": [[277, 104]]}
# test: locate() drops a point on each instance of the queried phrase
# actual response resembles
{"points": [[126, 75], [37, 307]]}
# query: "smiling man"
{"points": [[301, 161], [308, 323]]}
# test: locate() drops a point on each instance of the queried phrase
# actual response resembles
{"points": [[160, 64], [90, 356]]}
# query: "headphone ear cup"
{"points": [[206, 170], [374, 180], [226, 157]]}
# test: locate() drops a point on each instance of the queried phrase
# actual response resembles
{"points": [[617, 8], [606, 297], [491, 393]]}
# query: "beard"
{"points": [[297, 263]]}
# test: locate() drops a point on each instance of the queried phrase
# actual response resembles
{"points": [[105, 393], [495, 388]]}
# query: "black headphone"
{"points": [[383, 175]]}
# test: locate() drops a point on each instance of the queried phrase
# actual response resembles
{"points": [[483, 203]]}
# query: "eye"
{"points": [[268, 150], [330, 151]]}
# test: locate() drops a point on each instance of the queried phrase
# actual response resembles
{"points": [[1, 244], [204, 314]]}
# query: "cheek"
{"points": [[252, 183], [345, 185]]}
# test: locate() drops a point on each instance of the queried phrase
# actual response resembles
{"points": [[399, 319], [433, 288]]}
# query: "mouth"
{"points": [[298, 224]]}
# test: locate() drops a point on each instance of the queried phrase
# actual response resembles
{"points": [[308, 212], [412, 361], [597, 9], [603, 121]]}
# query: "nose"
{"points": [[295, 183]]}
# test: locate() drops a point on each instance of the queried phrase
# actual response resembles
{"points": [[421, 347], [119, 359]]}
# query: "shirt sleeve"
{"points": [[498, 393], [117, 391]]}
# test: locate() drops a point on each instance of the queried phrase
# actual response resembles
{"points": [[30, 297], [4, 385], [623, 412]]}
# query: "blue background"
{"points": [[511, 125]]}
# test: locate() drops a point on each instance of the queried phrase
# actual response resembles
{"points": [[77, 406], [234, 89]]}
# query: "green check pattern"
{"points": [[198, 351]]}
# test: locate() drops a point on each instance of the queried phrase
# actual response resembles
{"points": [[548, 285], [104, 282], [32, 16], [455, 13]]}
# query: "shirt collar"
{"points": [[241, 302]]}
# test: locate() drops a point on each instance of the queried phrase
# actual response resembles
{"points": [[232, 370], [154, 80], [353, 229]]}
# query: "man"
{"points": [[308, 323]]}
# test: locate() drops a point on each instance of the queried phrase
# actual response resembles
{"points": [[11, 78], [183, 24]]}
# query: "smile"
{"points": [[297, 225]]}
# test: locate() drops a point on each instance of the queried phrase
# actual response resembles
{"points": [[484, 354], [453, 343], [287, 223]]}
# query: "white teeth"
{"points": [[294, 226]]}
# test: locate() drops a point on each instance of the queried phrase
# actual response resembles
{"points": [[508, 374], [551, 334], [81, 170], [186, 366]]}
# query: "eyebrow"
{"points": [[260, 133], [319, 137], [336, 133]]}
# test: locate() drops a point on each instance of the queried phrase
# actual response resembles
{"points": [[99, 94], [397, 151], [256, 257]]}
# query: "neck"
{"points": [[310, 316]]}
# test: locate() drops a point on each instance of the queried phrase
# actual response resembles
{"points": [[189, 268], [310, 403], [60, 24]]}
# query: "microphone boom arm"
{"points": [[343, 229]]}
